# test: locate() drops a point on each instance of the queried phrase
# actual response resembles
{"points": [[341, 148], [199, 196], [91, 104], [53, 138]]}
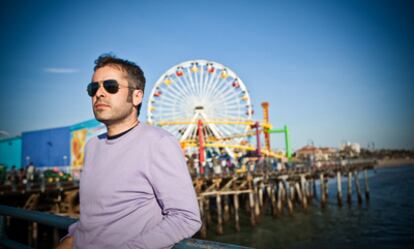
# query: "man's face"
{"points": [[114, 108]]}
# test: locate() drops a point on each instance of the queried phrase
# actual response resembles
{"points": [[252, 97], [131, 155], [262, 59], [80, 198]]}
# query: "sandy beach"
{"points": [[393, 162]]}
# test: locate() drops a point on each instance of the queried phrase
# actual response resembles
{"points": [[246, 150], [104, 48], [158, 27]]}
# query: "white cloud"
{"points": [[60, 70], [4, 134]]}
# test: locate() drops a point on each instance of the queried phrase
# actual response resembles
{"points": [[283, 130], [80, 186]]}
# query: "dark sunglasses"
{"points": [[111, 86]]}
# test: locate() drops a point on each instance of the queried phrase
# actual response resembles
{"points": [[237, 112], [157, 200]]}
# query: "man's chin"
{"points": [[102, 118]]}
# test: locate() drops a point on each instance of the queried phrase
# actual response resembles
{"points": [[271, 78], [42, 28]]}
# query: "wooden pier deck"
{"points": [[225, 196]]}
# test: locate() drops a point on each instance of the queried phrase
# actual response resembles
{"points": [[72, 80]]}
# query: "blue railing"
{"points": [[61, 222]]}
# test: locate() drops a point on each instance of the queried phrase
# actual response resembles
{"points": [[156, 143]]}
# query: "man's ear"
{"points": [[137, 97]]}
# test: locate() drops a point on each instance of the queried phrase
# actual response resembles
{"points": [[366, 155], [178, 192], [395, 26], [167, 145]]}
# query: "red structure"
{"points": [[259, 149], [201, 145]]}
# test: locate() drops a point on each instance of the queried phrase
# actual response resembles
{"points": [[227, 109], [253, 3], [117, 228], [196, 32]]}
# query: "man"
{"points": [[135, 189]]}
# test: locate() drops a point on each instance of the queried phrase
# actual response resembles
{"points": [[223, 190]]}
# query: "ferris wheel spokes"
{"points": [[210, 77], [217, 84]]}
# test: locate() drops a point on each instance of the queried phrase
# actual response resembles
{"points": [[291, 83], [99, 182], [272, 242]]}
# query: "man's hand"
{"points": [[66, 243]]}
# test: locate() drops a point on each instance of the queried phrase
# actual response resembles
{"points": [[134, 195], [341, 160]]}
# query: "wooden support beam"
{"points": [[366, 185], [207, 207], [325, 185], [303, 184], [203, 229], [279, 198], [298, 192], [256, 202], [339, 187], [252, 205], [236, 212], [260, 194], [322, 194], [226, 216], [273, 199], [349, 194], [219, 229], [289, 190], [358, 188]]}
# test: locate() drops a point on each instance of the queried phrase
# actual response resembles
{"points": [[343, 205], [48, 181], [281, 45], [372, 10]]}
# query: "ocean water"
{"points": [[387, 221]]}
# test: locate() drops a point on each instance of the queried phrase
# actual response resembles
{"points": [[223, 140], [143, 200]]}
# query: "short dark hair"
{"points": [[135, 74]]}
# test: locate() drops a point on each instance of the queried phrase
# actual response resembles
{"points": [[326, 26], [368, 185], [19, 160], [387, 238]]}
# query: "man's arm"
{"points": [[67, 241], [175, 193]]}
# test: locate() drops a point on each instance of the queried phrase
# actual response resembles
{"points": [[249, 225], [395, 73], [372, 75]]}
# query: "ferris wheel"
{"points": [[201, 91]]}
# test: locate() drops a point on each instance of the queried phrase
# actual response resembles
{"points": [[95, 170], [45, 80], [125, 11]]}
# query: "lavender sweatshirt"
{"points": [[135, 192]]}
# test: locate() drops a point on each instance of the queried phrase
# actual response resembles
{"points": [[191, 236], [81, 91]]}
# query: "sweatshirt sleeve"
{"points": [[175, 194], [71, 231]]}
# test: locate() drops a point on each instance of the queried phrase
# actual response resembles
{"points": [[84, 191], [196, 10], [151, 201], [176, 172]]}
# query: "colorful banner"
{"points": [[80, 137]]}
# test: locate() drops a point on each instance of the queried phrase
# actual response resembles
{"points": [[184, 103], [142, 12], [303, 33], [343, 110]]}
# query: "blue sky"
{"points": [[333, 71]]}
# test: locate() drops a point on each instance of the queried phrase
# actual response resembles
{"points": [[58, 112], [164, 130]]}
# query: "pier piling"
{"points": [[322, 194], [366, 185], [251, 208], [256, 203], [339, 186], [273, 199], [208, 214], [358, 189], [349, 194], [226, 215], [236, 212], [219, 229], [279, 198], [260, 194], [305, 194], [289, 193], [203, 229]]}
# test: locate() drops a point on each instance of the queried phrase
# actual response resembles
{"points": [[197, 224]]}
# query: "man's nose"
{"points": [[101, 91]]}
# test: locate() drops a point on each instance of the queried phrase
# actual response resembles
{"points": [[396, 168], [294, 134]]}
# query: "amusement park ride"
{"points": [[207, 107]]}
